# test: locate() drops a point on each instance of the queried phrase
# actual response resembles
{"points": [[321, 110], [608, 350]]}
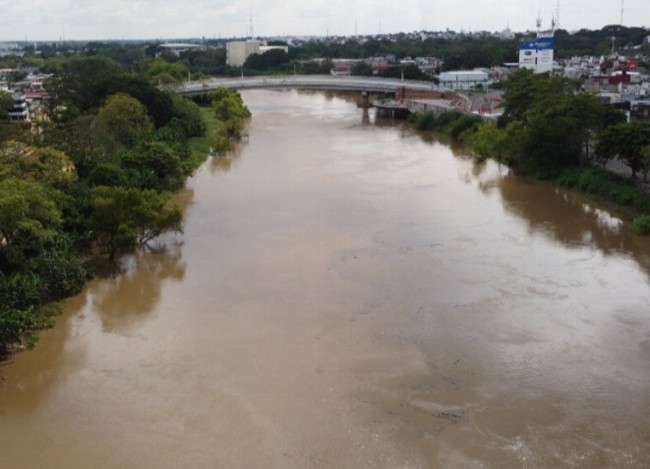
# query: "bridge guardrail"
{"points": [[320, 82]]}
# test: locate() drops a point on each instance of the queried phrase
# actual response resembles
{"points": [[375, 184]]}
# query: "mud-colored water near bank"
{"points": [[347, 294]]}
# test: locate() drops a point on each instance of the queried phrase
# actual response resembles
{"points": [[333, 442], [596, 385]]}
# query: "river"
{"points": [[348, 294]]}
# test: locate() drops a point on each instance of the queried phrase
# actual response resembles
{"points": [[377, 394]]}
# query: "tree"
{"points": [[59, 269], [45, 165], [187, 116], [88, 141], [28, 218], [126, 118], [85, 82], [269, 60], [409, 72], [362, 68], [228, 104], [553, 125], [625, 141], [158, 67], [161, 168], [125, 218], [525, 91], [6, 101], [645, 154], [488, 142]]}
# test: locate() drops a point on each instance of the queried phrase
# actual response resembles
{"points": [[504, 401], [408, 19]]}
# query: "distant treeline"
{"points": [[457, 51]]}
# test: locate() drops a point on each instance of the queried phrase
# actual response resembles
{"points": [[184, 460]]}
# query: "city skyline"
{"points": [[43, 20]]}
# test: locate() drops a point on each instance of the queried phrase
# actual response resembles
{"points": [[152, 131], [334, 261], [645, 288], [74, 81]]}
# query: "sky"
{"points": [[35, 20]]}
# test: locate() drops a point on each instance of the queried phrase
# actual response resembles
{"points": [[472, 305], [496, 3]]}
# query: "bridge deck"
{"points": [[310, 82]]}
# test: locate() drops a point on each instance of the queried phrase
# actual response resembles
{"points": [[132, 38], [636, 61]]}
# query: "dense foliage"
{"points": [[547, 125], [548, 129], [92, 181]]}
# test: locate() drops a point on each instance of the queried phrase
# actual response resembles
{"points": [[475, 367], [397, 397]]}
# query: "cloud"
{"points": [[105, 19]]}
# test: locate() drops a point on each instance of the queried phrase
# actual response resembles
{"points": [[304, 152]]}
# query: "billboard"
{"points": [[537, 54]]}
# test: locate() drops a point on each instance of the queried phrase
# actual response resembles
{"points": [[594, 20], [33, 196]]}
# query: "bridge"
{"points": [[312, 82]]}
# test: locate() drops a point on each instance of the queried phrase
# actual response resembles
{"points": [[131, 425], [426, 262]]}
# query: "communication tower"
{"points": [[622, 10]]}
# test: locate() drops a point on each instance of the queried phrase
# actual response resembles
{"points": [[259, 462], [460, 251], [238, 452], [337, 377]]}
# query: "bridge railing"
{"points": [[315, 82]]}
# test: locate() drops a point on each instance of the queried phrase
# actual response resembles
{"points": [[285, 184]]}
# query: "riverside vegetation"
{"points": [[92, 181], [548, 130]]}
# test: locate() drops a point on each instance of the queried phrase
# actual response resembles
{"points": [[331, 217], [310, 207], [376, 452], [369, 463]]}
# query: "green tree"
{"points": [[525, 91], [155, 69], [187, 116], [488, 142], [60, 270], [44, 165], [645, 154], [126, 119], [6, 101], [362, 68], [269, 60], [228, 104], [123, 219], [160, 167], [85, 82], [28, 218], [89, 141], [554, 124], [627, 142]]}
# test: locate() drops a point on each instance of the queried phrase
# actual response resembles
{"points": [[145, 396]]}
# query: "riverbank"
{"points": [[611, 185], [101, 209]]}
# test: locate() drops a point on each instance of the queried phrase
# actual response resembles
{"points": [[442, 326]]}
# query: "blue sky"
{"points": [[142, 19]]}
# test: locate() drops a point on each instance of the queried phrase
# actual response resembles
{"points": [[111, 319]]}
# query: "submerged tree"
{"points": [[126, 218]]}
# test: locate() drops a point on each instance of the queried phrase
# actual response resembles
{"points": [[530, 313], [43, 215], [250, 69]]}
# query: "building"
{"points": [[177, 48], [20, 109], [464, 79], [264, 49], [10, 48], [238, 51], [537, 54]]}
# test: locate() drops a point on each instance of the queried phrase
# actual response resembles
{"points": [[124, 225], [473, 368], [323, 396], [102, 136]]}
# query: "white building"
{"points": [[20, 109], [238, 51], [264, 49], [464, 79]]}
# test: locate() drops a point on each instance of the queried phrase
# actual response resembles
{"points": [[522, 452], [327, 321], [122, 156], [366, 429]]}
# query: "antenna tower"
{"points": [[556, 19], [622, 10], [538, 21]]}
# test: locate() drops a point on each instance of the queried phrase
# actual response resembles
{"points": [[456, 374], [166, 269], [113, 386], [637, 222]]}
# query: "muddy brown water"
{"points": [[349, 294]]}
